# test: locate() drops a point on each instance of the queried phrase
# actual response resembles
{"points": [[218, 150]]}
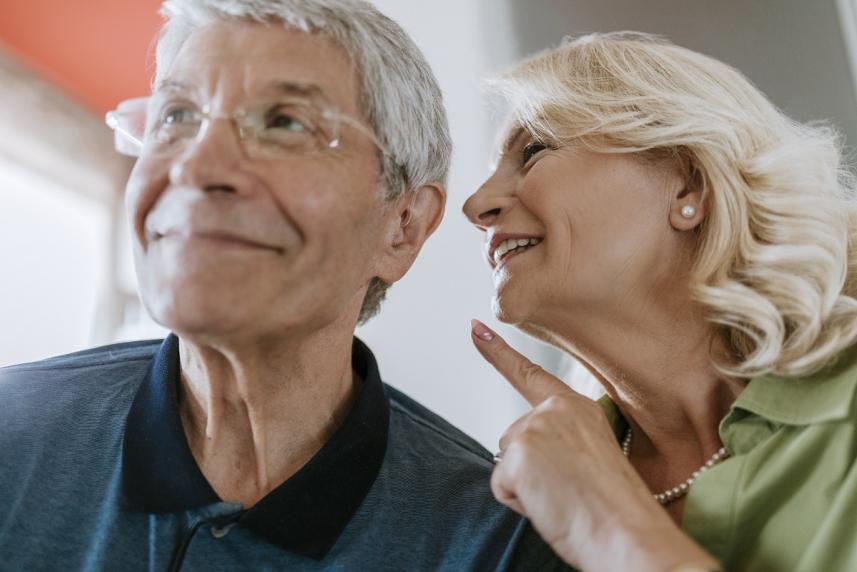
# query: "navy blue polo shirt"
{"points": [[96, 474]]}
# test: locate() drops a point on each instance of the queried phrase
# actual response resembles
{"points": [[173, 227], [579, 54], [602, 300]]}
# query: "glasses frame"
{"points": [[129, 143]]}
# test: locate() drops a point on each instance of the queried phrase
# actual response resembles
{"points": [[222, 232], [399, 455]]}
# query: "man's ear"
{"points": [[412, 219]]}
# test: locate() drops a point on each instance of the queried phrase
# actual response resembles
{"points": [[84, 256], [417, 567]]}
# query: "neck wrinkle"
{"points": [[657, 368], [253, 418]]}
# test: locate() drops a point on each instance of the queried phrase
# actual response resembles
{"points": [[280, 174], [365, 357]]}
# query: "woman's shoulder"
{"points": [[825, 395], [792, 442]]}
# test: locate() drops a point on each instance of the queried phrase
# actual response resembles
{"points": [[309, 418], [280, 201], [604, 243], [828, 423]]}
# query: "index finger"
{"points": [[529, 379]]}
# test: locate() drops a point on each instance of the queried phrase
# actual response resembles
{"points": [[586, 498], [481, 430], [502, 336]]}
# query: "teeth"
{"points": [[511, 244]]}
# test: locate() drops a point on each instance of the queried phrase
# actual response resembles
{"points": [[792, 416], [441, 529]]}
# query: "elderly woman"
{"points": [[656, 217]]}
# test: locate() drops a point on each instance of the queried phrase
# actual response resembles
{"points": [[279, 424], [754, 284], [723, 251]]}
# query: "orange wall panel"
{"points": [[98, 51]]}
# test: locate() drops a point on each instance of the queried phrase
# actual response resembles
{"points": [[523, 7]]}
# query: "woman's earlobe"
{"points": [[686, 217]]}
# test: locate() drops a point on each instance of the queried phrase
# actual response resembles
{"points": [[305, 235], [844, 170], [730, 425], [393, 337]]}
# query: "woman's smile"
{"points": [[502, 247]]}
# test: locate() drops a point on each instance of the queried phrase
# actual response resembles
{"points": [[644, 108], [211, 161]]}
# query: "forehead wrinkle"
{"points": [[264, 60], [168, 84], [290, 87], [306, 90]]}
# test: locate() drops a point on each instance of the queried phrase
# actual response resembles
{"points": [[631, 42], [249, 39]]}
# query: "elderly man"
{"points": [[292, 161]]}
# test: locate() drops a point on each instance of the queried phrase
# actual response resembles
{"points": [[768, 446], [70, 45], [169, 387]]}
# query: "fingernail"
{"points": [[481, 330]]}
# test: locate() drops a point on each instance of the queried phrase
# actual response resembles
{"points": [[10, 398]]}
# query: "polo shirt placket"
{"points": [[304, 515]]}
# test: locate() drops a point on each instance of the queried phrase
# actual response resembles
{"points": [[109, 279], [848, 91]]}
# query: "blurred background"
{"points": [[66, 278]]}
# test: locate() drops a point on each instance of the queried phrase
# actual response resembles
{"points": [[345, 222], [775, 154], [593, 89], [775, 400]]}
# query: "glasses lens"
{"points": [[286, 127], [171, 125], [168, 126]]}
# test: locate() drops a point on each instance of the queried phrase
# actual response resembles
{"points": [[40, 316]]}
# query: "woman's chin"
{"points": [[508, 310]]}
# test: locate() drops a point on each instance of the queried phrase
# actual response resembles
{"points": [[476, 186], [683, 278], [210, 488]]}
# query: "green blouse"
{"points": [[787, 497]]}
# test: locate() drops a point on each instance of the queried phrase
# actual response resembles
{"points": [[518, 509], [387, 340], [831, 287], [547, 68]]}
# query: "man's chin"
{"points": [[199, 315]]}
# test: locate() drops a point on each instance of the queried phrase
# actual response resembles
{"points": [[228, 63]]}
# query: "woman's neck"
{"points": [[658, 370], [255, 413], [657, 367]]}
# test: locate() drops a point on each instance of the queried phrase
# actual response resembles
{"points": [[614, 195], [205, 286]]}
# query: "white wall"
{"points": [[53, 266], [422, 335], [793, 50]]}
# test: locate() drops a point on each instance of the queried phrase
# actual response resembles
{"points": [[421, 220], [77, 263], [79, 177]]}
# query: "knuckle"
{"points": [[517, 446], [554, 403], [528, 371], [514, 430], [539, 424], [504, 441]]}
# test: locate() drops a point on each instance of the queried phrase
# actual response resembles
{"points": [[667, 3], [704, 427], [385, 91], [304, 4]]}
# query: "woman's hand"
{"points": [[562, 468]]}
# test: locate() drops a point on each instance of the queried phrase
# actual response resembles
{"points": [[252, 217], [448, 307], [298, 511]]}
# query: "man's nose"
{"points": [[484, 206], [213, 160]]}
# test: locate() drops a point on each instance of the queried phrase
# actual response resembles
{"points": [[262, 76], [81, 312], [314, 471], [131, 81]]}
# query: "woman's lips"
{"points": [[509, 255], [503, 247]]}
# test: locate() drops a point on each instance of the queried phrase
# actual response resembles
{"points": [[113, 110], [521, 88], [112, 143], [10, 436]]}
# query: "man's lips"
{"points": [[217, 237], [504, 245]]}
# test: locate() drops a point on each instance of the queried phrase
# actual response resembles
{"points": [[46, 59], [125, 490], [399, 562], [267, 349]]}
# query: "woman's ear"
{"points": [[414, 217], [688, 204]]}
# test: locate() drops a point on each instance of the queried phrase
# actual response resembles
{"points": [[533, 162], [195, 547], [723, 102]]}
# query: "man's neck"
{"points": [[255, 414]]}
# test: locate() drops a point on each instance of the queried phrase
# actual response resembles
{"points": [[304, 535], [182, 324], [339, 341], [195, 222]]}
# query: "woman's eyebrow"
{"points": [[512, 138]]}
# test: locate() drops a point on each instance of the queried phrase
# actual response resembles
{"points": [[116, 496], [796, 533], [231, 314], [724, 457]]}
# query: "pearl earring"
{"points": [[688, 211]]}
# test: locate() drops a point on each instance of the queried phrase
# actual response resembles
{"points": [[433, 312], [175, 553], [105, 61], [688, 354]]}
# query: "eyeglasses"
{"points": [[163, 127]]}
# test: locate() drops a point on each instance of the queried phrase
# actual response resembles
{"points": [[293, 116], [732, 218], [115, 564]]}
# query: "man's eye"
{"points": [[531, 150], [282, 119], [177, 116], [285, 122]]}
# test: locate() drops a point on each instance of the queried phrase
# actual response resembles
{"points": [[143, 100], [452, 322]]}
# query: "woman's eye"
{"points": [[531, 150]]}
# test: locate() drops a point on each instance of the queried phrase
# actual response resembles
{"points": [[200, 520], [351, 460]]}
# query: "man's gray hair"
{"points": [[399, 97]]}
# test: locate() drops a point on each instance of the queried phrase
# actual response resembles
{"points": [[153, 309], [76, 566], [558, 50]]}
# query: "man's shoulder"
{"points": [[436, 473], [422, 424], [58, 387], [103, 356]]}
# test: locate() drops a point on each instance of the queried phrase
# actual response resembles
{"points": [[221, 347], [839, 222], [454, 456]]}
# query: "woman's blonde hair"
{"points": [[775, 265]]}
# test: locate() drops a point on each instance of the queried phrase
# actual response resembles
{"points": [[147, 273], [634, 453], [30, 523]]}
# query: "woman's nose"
{"points": [[484, 206]]}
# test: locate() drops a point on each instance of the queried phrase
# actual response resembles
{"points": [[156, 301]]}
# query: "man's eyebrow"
{"points": [[171, 85], [294, 88], [308, 90]]}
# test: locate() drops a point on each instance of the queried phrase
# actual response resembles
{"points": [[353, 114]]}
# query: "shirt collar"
{"points": [[307, 512], [614, 417], [826, 395]]}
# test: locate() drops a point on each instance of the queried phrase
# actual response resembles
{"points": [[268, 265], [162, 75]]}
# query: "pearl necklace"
{"points": [[679, 490]]}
